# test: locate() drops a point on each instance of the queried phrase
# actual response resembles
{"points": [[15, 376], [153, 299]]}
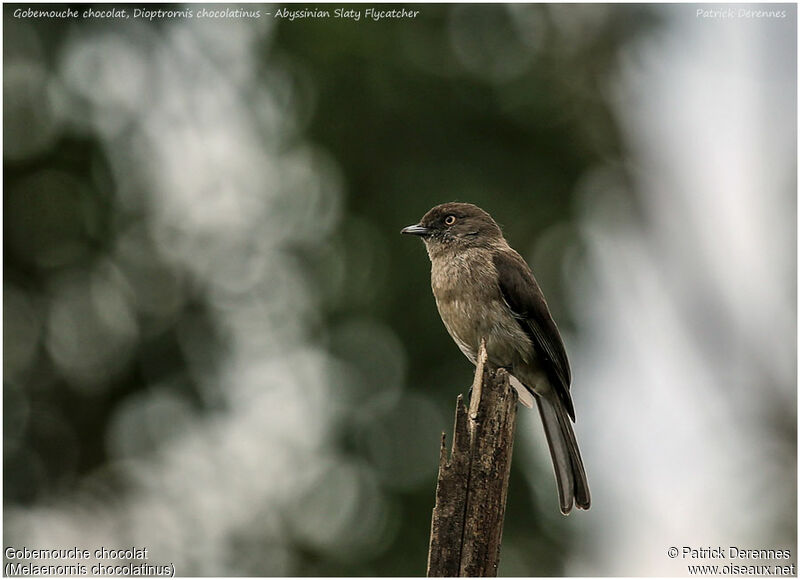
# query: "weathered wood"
{"points": [[447, 522], [467, 521]]}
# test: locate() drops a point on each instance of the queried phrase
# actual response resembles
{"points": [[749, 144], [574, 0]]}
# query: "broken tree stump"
{"points": [[471, 490]]}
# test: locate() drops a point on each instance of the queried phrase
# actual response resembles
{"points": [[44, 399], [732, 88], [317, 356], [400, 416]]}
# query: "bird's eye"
{"points": [[450, 220]]}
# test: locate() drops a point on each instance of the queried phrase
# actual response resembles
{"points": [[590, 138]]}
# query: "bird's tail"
{"points": [[567, 462]]}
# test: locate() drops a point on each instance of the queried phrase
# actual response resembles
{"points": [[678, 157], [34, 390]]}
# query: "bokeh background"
{"points": [[218, 346]]}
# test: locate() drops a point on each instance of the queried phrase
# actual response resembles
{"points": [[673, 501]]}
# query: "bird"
{"points": [[485, 290]]}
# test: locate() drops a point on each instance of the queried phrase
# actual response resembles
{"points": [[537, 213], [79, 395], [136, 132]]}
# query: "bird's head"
{"points": [[456, 225]]}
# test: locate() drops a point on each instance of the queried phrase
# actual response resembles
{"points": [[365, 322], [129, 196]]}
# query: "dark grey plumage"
{"points": [[484, 289]]}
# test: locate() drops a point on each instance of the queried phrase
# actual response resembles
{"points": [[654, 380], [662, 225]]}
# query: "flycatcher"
{"points": [[484, 289]]}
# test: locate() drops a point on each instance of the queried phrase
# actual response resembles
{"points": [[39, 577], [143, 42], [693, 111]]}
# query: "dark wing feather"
{"points": [[523, 296]]}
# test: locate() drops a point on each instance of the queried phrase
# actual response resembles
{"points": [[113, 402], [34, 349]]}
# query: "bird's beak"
{"points": [[416, 230]]}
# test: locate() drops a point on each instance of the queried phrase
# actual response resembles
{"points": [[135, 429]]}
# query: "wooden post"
{"points": [[471, 491]]}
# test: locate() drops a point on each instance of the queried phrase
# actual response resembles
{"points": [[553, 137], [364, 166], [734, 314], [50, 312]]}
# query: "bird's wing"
{"points": [[523, 296]]}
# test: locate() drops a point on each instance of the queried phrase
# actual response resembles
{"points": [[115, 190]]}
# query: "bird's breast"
{"points": [[471, 307]]}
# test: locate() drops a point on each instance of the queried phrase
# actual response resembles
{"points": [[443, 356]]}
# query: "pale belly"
{"points": [[483, 314], [506, 343]]}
